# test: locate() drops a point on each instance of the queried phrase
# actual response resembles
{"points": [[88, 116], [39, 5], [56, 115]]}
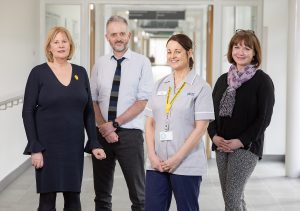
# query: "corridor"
{"points": [[267, 190]]}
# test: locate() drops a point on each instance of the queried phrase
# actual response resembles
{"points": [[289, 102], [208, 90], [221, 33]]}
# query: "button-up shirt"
{"points": [[193, 103], [136, 84]]}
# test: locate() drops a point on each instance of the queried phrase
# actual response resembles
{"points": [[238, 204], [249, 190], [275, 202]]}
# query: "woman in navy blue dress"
{"points": [[57, 108]]}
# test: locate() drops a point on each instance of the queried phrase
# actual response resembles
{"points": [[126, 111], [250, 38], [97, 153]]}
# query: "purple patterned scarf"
{"points": [[234, 79]]}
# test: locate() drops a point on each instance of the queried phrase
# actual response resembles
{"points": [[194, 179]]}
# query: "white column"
{"points": [[293, 95]]}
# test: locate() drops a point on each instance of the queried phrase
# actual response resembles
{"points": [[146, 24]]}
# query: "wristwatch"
{"points": [[115, 124]]}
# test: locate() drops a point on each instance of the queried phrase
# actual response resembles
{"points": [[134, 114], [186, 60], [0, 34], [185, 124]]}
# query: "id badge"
{"points": [[166, 135]]}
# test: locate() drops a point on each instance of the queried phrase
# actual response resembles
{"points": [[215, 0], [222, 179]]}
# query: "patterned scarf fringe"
{"points": [[227, 102]]}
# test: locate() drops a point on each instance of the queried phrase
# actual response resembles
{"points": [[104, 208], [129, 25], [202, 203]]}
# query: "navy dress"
{"points": [[55, 117]]}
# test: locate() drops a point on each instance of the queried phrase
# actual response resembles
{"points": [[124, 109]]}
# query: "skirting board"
{"points": [[273, 158], [14, 174]]}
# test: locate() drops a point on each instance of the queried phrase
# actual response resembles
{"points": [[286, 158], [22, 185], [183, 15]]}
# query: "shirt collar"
{"points": [[127, 54], [190, 78]]}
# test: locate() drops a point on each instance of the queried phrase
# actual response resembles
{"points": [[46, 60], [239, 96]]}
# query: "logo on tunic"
{"points": [[76, 77]]}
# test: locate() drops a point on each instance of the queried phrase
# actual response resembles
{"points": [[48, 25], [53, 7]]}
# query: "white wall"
{"points": [[19, 41], [275, 48], [12, 140]]}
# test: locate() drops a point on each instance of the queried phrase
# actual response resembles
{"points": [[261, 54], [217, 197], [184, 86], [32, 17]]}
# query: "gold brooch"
{"points": [[76, 77]]}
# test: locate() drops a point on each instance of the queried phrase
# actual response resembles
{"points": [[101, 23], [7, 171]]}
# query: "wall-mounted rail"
{"points": [[9, 103]]}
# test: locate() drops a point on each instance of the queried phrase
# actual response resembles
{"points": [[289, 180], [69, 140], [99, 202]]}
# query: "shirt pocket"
{"points": [[186, 106]]}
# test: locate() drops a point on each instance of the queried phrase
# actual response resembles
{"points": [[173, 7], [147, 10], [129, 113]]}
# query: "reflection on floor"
{"points": [[267, 190]]}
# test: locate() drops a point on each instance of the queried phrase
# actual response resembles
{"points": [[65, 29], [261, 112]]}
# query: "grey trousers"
{"points": [[234, 171], [129, 152]]}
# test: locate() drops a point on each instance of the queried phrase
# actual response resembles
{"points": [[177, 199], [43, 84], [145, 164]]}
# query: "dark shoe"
{"points": [[46, 210], [72, 209]]}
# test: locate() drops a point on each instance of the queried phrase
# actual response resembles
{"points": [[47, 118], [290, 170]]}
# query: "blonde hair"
{"points": [[50, 37]]}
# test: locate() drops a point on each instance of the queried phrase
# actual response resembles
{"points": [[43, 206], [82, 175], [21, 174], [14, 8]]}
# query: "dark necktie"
{"points": [[113, 101]]}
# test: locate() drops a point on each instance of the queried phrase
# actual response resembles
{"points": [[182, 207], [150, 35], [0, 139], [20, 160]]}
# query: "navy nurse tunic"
{"points": [[54, 117]]}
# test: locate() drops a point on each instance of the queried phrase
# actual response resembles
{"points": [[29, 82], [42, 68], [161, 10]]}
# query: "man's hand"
{"points": [[112, 138], [106, 128]]}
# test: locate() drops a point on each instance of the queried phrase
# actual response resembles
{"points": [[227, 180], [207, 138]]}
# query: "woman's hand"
{"points": [[235, 144], [218, 141], [171, 164], [99, 153], [155, 162], [37, 160], [222, 144]]}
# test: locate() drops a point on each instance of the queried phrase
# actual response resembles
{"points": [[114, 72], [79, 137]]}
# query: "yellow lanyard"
{"points": [[169, 104]]}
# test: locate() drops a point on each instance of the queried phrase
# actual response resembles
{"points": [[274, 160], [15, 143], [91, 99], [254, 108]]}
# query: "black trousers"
{"points": [[48, 200], [129, 151]]}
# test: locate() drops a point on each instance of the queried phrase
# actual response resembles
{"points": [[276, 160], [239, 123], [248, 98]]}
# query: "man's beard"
{"points": [[120, 48]]}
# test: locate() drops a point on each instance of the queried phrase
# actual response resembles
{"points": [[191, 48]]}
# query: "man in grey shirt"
{"points": [[121, 84]]}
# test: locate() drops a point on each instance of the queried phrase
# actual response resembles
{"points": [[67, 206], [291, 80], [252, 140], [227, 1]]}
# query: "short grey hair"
{"points": [[116, 18]]}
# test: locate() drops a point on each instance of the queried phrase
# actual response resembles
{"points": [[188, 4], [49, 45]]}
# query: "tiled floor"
{"points": [[267, 190]]}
